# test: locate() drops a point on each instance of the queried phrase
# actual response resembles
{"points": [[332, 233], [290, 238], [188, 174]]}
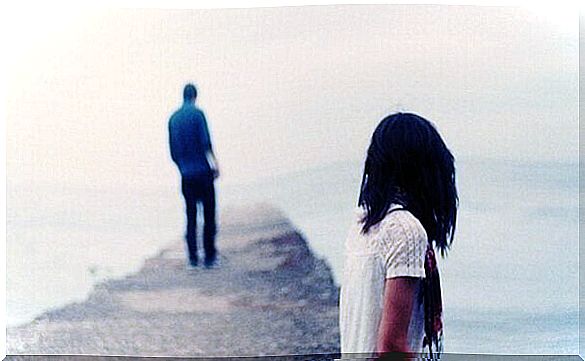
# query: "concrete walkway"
{"points": [[270, 296]]}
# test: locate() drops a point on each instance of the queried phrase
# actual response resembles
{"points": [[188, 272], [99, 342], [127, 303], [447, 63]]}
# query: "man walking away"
{"points": [[191, 150]]}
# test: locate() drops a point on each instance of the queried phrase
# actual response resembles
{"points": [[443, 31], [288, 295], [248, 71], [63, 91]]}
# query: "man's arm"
{"points": [[205, 137], [398, 303], [172, 145], [206, 141]]}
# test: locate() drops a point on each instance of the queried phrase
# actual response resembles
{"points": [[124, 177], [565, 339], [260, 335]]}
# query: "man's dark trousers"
{"points": [[200, 190]]}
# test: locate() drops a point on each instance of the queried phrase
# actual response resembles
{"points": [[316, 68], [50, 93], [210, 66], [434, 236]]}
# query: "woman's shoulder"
{"points": [[400, 224], [403, 244]]}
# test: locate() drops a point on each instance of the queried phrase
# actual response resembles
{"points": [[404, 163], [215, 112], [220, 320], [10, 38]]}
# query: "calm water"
{"points": [[510, 282]]}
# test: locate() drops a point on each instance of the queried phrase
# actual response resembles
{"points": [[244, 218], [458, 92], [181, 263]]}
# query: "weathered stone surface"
{"points": [[270, 296]]}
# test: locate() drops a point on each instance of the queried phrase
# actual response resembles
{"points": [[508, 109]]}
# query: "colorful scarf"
{"points": [[433, 308]]}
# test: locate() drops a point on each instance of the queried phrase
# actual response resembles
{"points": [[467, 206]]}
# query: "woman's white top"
{"points": [[394, 247]]}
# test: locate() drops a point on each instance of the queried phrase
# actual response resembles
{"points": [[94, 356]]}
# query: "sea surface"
{"points": [[510, 281]]}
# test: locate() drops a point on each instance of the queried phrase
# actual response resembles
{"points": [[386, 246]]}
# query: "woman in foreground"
{"points": [[391, 296]]}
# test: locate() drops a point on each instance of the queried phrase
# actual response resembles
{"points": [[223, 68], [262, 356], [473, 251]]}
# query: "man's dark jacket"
{"points": [[189, 141]]}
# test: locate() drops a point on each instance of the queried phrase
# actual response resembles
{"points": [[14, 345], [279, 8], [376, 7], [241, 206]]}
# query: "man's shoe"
{"points": [[211, 263], [193, 263]]}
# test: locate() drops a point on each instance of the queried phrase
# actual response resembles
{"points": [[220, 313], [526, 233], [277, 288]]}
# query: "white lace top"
{"points": [[394, 247]]}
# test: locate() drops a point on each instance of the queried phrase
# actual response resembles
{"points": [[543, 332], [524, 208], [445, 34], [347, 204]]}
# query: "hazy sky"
{"points": [[90, 93]]}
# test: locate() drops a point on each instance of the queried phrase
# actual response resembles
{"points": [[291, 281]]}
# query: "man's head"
{"points": [[189, 93]]}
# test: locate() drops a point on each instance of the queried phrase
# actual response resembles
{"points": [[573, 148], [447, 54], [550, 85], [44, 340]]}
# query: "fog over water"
{"points": [[89, 93]]}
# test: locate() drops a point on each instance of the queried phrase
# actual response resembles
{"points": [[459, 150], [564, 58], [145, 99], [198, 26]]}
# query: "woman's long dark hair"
{"points": [[409, 164]]}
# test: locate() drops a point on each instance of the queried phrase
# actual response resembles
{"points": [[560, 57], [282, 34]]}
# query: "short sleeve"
{"points": [[403, 245]]}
